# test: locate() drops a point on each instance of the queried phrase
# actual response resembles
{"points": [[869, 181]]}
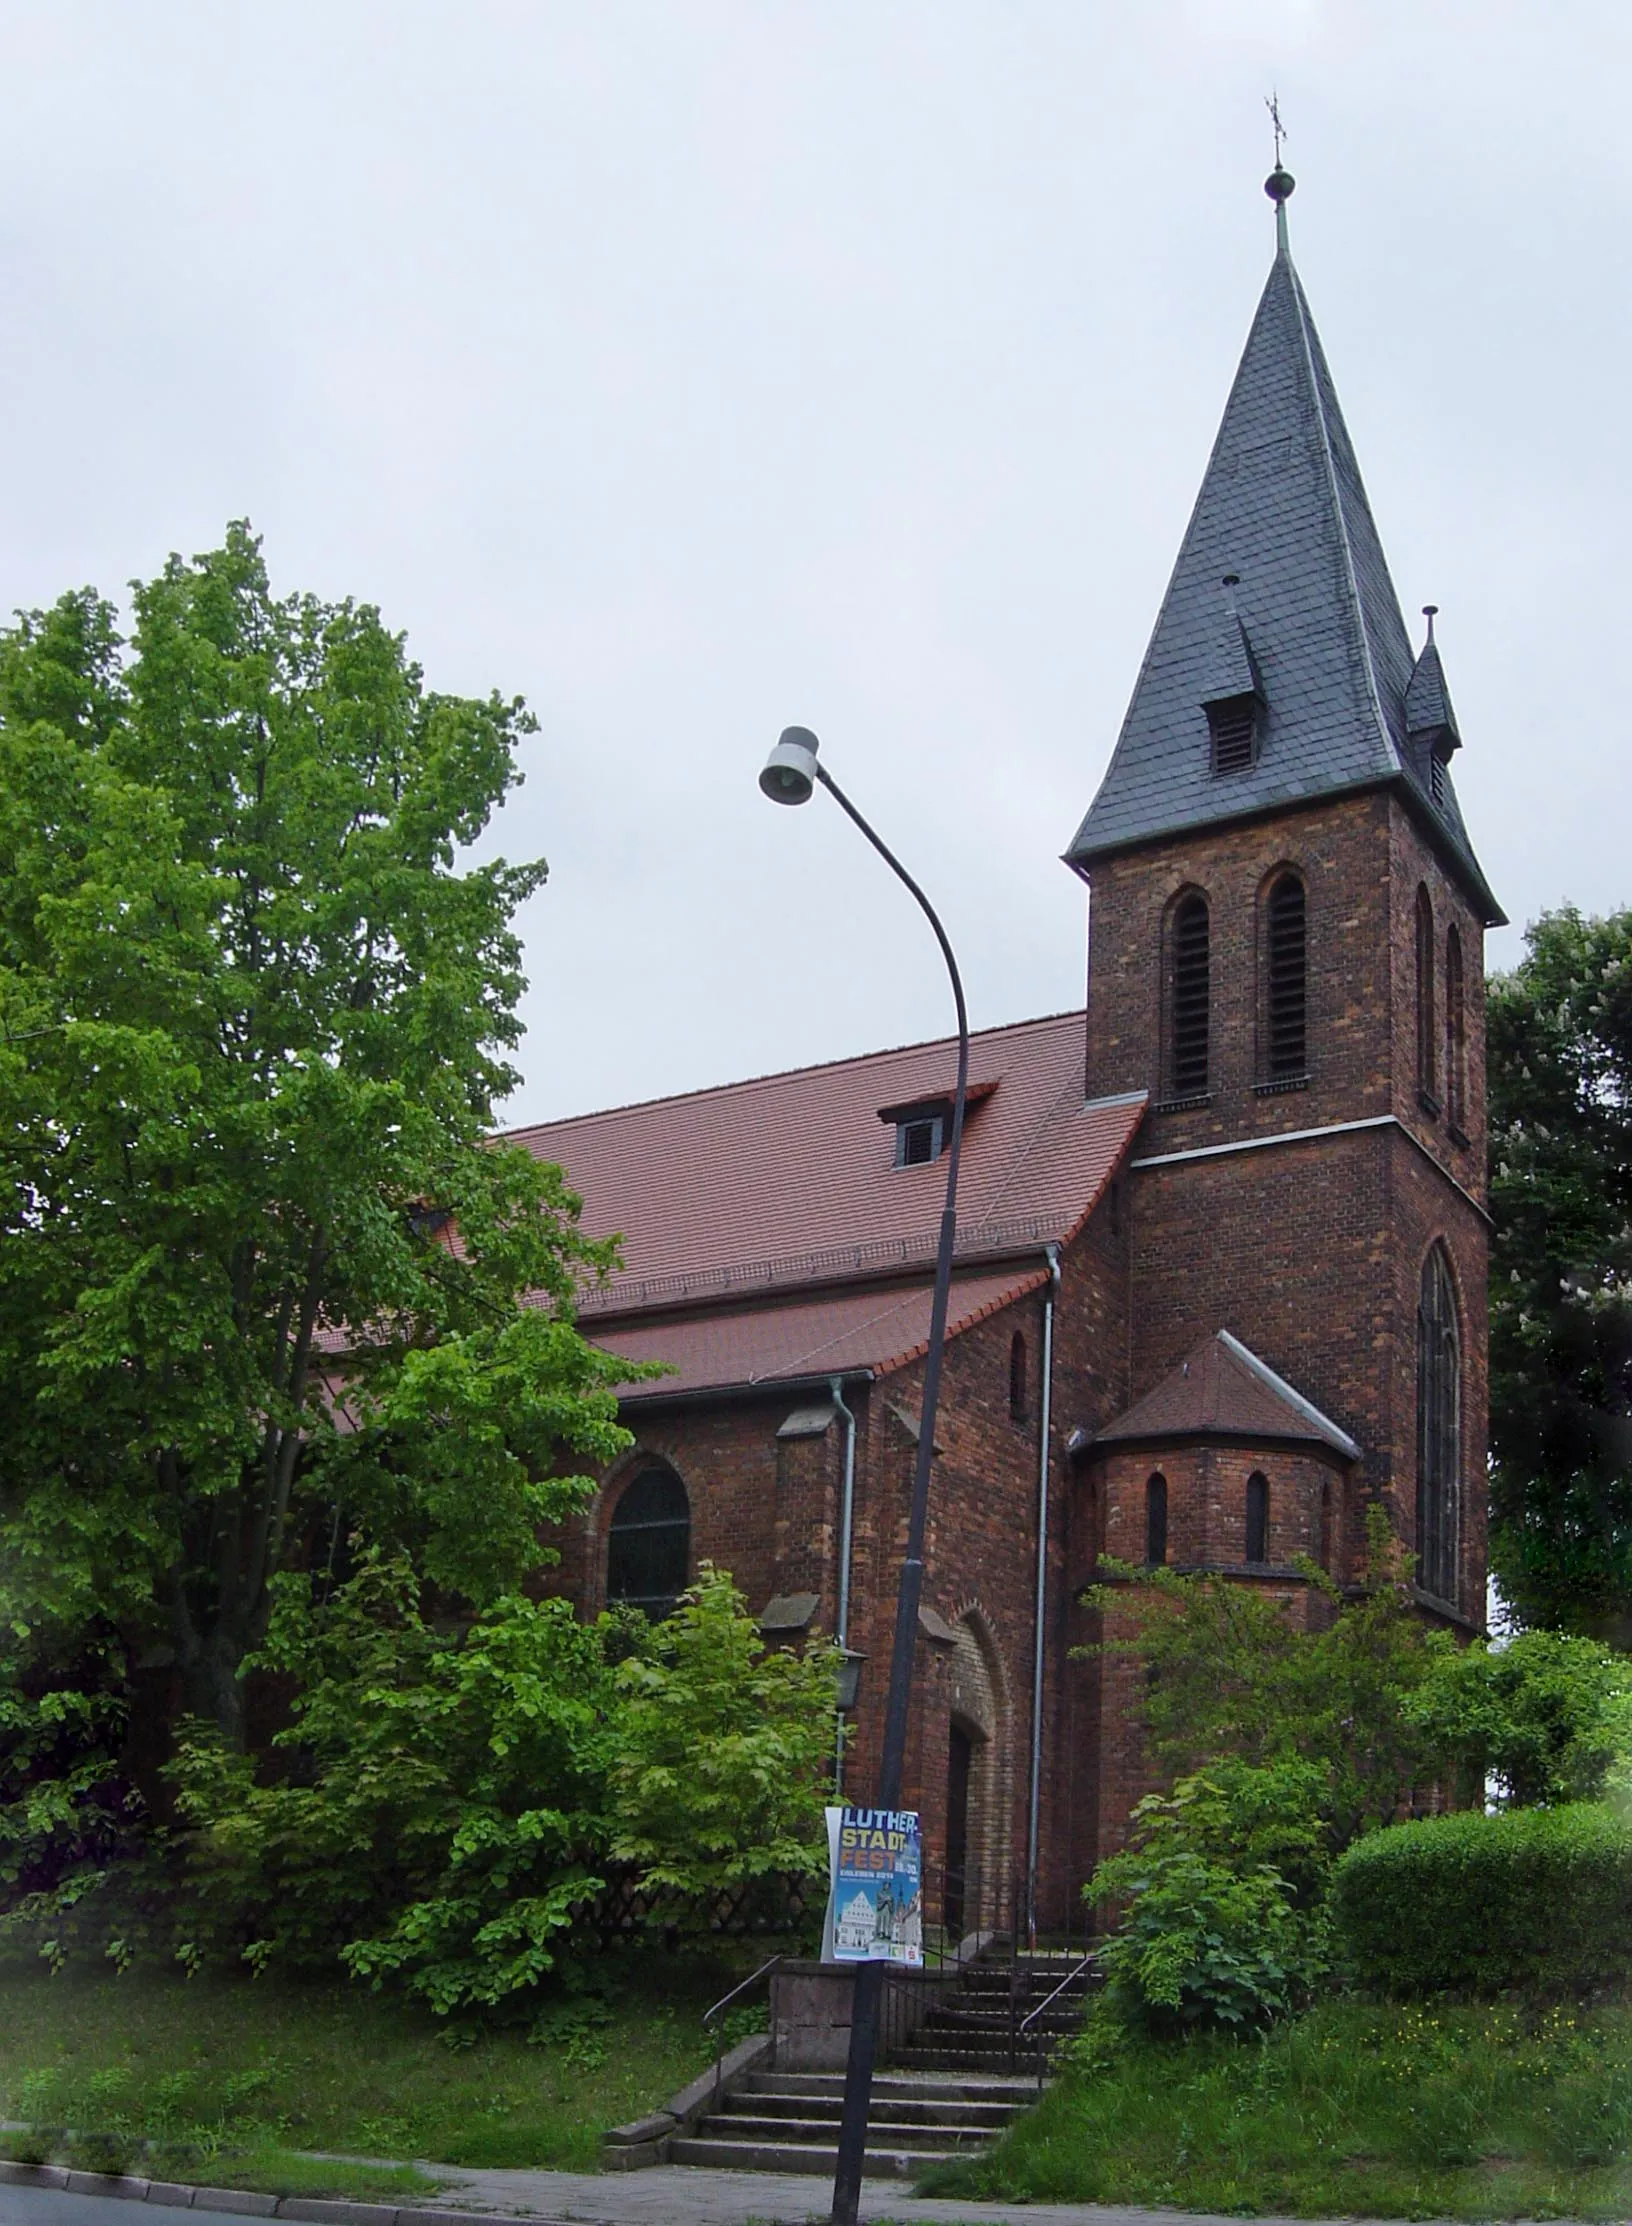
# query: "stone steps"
{"points": [[789, 2122]]}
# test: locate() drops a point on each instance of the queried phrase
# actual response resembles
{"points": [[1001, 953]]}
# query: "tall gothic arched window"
{"points": [[1456, 1087], [1439, 1429], [1286, 980], [648, 1547], [1156, 1520], [1190, 997], [1426, 1040]]}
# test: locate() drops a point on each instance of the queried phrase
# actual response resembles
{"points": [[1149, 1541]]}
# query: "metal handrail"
{"points": [[724, 2003], [1075, 1972]]}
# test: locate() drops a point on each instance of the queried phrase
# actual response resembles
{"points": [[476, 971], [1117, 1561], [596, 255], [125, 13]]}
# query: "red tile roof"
{"points": [[761, 1186], [1223, 1390], [878, 1326]]}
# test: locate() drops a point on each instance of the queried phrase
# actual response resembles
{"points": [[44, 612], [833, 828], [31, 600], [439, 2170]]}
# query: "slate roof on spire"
{"points": [[1281, 505], [1427, 699]]}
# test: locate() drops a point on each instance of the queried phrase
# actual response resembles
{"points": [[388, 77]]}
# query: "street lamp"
{"points": [[792, 774]]}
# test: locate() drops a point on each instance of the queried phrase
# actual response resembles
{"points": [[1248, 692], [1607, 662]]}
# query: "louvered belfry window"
{"points": [[1288, 979], [1439, 1429], [1192, 995]]}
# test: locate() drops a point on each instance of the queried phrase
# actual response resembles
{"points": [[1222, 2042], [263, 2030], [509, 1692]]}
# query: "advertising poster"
{"points": [[876, 1908]]}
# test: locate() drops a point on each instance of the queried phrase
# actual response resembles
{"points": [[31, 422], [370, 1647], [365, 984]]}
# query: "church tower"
{"points": [[1285, 950]]}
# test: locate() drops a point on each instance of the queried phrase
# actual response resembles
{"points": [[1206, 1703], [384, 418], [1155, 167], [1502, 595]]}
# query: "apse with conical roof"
{"points": [[1280, 670]]}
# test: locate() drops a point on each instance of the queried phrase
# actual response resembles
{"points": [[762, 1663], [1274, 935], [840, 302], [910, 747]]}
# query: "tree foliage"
{"points": [[255, 1006], [1541, 1721], [449, 1801], [724, 1751], [1232, 1675], [1292, 1745], [1560, 1062]]}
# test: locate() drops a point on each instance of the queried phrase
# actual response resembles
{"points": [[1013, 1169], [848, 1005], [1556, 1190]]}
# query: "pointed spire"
{"points": [[1282, 507]]}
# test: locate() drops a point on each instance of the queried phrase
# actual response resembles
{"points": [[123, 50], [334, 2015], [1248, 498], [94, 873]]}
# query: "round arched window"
{"points": [[648, 1550]]}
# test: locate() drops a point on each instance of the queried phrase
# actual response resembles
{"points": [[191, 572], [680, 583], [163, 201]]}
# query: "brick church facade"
{"points": [[1220, 1277]]}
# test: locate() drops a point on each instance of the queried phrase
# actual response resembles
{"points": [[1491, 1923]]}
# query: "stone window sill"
{"points": [[1185, 1105], [1429, 1104], [1280, 1086]]}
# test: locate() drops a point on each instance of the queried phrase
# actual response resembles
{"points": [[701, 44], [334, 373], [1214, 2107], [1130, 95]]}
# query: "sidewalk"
{"points": [[688, 2195]]}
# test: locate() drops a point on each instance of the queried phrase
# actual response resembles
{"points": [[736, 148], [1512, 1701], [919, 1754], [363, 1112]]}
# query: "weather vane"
{"points": [[1273, 104]]}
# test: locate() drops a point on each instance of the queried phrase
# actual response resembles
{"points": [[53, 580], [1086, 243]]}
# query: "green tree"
{"points": [[1560, 1060], [255, 1007], [1547, 1716]]}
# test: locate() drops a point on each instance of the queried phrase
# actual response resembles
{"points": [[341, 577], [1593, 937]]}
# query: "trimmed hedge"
{"points": [[1532, 1899]]}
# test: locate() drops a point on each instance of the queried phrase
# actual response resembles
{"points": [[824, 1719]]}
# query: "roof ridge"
{"points": [[1044, 1121], [787, 1074], [1357, 613], [1289, 1392]]}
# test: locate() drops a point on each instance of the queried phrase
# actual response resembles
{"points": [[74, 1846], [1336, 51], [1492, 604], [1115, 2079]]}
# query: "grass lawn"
{"points": [[231, 2073], [1442, 2112]]}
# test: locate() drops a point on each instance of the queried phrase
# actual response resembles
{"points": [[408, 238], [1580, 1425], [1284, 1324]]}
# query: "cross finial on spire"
{"points": [[1278, 185]]}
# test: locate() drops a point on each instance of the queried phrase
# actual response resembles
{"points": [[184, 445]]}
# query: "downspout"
{"points": [[847, 1505], [1045, 1420]]}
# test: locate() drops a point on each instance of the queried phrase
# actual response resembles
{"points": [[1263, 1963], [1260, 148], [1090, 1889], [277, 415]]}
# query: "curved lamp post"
{"points": [[792, 775]]}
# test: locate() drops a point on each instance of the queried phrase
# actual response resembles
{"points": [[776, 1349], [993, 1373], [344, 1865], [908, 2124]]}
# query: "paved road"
{"points": [[47, 2206]]}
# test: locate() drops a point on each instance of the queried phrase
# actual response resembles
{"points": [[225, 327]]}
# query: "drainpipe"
{"points": [[846, 1513], [1045, 1419]]}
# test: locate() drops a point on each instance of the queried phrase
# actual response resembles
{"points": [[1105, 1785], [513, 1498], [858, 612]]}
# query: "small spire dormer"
{"points": [[1430, 719], [1233, 694]]}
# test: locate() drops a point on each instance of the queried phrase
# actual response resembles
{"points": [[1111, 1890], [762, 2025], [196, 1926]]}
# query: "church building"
{"points": [[1221, 1254]]}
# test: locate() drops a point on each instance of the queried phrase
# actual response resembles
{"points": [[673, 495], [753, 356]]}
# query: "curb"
{"points": [[243, 2203]]}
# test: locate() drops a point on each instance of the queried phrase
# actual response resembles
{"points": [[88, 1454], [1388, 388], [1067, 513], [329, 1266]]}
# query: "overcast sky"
{"points": [[696, 368]]}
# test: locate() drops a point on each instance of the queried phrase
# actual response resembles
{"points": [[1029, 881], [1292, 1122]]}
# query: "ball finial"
{"points": [[1279, 184]]}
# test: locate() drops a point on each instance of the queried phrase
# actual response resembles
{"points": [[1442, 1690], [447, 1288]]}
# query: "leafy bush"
{"points": [[1204, 1945], [450, 1799], [443, 1807], [1222, 1894], [1234, 1675], [722, 1752], [1532, 1898]]}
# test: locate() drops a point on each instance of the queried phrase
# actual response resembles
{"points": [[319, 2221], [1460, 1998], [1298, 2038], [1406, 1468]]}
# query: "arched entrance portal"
{"points": [[977, 1783], [959, 1765]]}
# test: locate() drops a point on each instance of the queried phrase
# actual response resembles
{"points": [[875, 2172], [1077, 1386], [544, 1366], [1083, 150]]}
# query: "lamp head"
{"points": [[789, 776]]}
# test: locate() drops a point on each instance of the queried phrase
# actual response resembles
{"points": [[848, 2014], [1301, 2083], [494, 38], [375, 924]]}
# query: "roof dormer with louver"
{"points": [[1282, 516]]}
